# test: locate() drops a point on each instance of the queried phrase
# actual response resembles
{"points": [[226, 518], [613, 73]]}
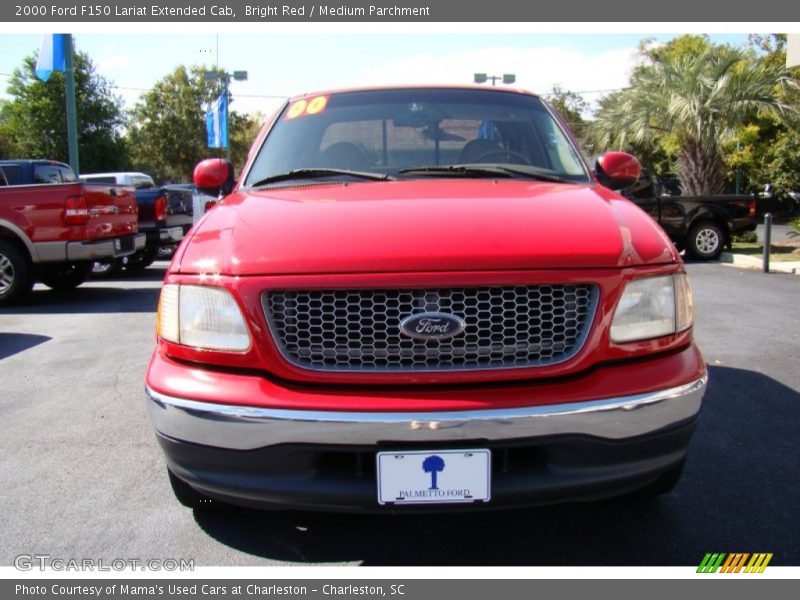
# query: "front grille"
{"points": [[359, 330]]}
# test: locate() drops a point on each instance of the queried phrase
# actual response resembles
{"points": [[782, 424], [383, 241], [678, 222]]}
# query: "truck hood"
{"points": [[422, 225]]}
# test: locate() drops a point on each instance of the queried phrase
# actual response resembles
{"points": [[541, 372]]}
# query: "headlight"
{"points": [[202, 317], [653, 307]]}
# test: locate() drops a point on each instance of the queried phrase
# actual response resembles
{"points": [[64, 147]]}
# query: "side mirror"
{"points": [[214, 177], [617, 170]]}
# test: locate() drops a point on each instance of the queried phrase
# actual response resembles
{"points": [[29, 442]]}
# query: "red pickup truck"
{"points": [[422, 298], [52, 228]]}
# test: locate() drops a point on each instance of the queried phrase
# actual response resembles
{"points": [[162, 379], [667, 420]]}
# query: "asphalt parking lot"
{"points": [[83, 477]]}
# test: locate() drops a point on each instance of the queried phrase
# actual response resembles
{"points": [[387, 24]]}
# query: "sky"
{"points": [[285, 64]]}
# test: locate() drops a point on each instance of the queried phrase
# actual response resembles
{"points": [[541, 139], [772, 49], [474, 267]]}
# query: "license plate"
{"points": [[117, 244], [434, 477]]}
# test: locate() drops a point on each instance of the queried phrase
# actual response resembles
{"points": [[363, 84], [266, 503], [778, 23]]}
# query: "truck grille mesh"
{"points": [[359, 330]]}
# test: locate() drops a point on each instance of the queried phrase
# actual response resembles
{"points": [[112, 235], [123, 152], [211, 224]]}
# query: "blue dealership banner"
{"points": [[217, 122], [51, 55]]}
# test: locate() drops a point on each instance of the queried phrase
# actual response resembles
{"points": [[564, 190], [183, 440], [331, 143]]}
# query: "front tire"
{"points": [[706, 240], [16, 274], [66, 276]]}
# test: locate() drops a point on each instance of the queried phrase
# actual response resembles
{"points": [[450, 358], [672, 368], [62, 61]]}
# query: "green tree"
{"points": [[650, 151], [767, 148], [6, 143], [573, 107], [690, 97], [167, 133], [33, 122]]}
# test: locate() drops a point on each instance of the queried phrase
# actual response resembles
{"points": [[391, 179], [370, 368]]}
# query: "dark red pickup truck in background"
{"points": [[52, 228]]}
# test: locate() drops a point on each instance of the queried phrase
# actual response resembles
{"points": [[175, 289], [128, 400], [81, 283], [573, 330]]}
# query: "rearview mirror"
{"points": [[214, 177], [617, 170]]}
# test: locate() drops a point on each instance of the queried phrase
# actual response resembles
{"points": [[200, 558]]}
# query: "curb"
{"points": [[744, 261]]}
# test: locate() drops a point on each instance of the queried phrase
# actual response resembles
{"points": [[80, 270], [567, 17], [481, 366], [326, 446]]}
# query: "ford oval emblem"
{"points": [[432, 326]]}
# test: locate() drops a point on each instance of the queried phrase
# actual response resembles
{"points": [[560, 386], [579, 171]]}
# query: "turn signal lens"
{"points": [[684, 303], [167, 318]]}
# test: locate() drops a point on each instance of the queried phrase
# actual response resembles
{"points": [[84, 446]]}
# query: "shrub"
{"points": [[745, 237]]}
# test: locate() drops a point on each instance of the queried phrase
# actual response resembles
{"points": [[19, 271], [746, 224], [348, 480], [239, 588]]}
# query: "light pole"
{"points": [[72, 118], [738, 169], [226, 79], [507, 78]]}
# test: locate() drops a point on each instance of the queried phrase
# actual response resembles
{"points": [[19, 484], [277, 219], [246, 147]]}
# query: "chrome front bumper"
{"points": [[247, 428]]}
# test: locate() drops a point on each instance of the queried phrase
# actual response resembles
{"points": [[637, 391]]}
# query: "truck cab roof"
{"points": [[26, 171], [133, 178]]}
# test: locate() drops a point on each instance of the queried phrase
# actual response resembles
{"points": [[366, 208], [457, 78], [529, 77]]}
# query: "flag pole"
{"points": [[72, 120], [227, 123]]}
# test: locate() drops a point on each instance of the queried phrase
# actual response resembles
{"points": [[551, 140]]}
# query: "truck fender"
{"points": [[705, 213], [12, 232]]}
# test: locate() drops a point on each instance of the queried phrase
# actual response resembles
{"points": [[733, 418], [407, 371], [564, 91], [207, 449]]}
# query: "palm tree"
{"points": [[433, 465], [695, 100]]}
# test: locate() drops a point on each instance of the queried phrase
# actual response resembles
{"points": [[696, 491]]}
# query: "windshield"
{"points": [[414, 133]]}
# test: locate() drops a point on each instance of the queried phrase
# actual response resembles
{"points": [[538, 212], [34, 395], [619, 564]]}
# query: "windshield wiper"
{"points": [[482, 170], [455, 171], [319, 172]]}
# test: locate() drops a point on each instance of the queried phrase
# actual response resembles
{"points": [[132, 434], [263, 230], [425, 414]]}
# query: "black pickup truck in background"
{"points": [[780, 203], [701, 225]]}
